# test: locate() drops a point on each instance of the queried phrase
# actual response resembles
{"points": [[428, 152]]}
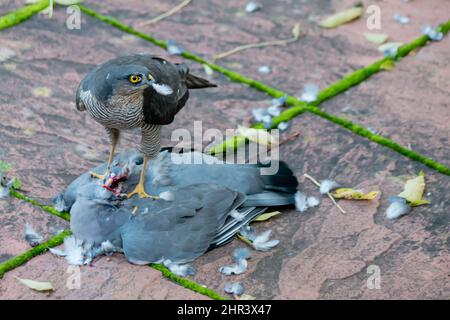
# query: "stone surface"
{"points": [[323, 254], [14, 215]]}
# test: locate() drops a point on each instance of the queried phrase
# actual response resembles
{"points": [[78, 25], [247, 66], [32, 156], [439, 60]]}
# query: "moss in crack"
{"points": [[19, 260], [49, 209], [15, 17], [192, 285]]}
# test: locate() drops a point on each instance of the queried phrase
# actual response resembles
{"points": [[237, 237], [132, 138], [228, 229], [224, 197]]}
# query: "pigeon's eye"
{"points": [[135, 78]]}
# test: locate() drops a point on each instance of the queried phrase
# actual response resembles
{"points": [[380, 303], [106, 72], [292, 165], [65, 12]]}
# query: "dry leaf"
{"points": [[413, 190], [259, 136], [36, 285], [352, 194], [341, 17], [42, 92], [267, 216], [296, 31], [377, 38]]}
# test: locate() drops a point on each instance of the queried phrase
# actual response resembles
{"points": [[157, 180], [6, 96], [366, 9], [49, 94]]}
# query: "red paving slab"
{"points": [[14, 215], [409, 105], [106, 279]]}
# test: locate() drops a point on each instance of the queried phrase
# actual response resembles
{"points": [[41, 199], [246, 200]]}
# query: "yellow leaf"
{"points": [[247, 241], [267, 216], [388, 65], [42, 92], [377, 38], [296, 31], [414, 189], [259, 136], [352, 194], [341, 17], [36, 285]]}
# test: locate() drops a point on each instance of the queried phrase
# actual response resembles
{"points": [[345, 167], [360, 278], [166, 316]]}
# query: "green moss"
{"points": [[194, 286], [22, 14], [17, 261], [49, 209]]}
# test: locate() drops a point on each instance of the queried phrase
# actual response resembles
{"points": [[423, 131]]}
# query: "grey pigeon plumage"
{"points": [[198, 217]]}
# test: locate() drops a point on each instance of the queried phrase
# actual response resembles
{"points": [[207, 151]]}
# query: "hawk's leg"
{"points": [[140, 189], [114, 134]]}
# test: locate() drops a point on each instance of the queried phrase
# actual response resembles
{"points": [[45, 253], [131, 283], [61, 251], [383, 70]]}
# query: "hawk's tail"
{"points": [[194, 82]]}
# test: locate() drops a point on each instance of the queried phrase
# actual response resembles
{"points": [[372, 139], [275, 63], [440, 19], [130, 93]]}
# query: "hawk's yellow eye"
{"points": [[135, 79]]}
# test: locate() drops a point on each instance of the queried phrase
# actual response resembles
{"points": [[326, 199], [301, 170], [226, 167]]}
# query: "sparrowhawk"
{"points": [[136, 91]]}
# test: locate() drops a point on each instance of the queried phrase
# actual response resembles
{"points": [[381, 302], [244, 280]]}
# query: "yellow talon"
{"points": [[140, 191], [100, 176]]}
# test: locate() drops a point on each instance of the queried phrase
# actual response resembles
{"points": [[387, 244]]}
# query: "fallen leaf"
{"points": [[352, 194], [259, 136], [42, 92], [296, 31], [267, 216], [413, 190], [388, 65], [341, 17], [36, 285], [377, 38]]}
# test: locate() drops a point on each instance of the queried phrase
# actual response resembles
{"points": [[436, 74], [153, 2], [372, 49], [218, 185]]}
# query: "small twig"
{"points": [[328, 194], [258, 45], [168, 13]]}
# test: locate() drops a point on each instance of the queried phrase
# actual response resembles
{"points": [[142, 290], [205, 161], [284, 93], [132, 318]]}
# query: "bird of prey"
{"points": [[211, 201], [136, 91]]}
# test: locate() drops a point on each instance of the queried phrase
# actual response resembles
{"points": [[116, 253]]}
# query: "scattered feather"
{"points": [[390, 49], [6, 54], [397, 208], [241, 254], [310, 92], [267, 216], [259, 114], [328, 185], [401, 19], [262, 242], [352, 194], [342, 17], [253, 6], [274, 111], [174, 48], [264, 70], [279, 102], [74, 251], [4, 190], [312, 202], [377, 38], [208, 70], [58, 252], [240, 257], [267, 121], [167, 196], [258, 136], [36, 285], [32, 237], [300, 201], [248, 232], [181, 270], [414, 189], [234, 288], [162, 89], [283, 126], [432, 33]]}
